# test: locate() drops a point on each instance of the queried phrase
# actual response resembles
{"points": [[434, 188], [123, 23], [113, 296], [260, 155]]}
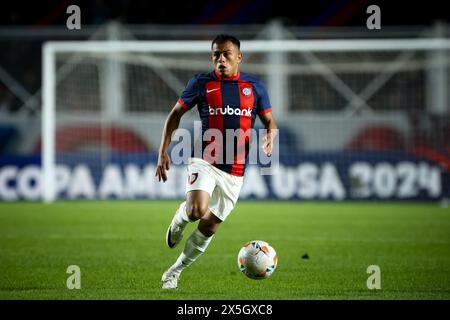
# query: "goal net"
{"points": [[358, 119]]}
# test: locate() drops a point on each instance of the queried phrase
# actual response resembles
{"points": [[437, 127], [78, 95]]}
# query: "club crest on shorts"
{"points": [[247, 91], [193, 177]]}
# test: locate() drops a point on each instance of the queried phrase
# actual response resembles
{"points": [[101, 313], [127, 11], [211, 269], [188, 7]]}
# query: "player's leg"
{"points": [[211, 211], [199, 186], [197, 242], [195, 207], [197, 204], [209, 224]]}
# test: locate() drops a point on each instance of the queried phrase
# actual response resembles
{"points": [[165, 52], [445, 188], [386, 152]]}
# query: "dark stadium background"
{"points": [[311, 13]]}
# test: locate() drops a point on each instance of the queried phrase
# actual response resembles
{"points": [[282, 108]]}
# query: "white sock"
{"points": [[195, 245], [181, 217]]}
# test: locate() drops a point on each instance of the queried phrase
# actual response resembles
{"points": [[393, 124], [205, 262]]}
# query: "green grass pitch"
{"points": [[121, 251]]}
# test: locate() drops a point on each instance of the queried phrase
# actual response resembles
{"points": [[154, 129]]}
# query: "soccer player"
{"points": [[227, 99]]}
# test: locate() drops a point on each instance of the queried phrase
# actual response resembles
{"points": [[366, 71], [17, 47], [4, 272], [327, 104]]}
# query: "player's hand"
{"points": [[267, 144], [162, 166]]}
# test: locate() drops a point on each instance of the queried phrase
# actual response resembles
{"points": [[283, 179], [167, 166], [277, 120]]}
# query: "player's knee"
{"points": [[196, 210]]}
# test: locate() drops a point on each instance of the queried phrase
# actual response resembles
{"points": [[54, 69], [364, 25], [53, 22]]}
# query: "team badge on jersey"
{"points": [[247, 91], [193, 177]]}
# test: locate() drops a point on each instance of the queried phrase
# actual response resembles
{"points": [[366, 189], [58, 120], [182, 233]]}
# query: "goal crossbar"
{"points": [[251, 45]]}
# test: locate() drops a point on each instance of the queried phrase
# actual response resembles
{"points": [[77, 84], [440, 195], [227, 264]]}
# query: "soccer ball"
{"points": [[257, 260]]}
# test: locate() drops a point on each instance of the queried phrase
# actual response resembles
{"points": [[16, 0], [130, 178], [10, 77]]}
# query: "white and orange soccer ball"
{"points": [[257, 260]]}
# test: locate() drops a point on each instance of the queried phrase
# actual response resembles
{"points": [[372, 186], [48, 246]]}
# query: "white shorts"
{"points": [[222, 187]]}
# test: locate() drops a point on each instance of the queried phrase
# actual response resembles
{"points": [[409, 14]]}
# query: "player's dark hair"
{"points": [[221, 38]]}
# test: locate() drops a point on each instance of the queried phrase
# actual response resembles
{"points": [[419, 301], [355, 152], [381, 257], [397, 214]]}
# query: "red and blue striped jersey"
{"points": [[226, 103]]}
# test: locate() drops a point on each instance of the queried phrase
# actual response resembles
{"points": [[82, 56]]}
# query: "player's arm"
{"points": [[171, 124], [271, 131]]}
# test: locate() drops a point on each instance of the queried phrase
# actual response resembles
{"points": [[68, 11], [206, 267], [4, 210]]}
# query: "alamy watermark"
{"points": [[73, 22], [374, 280], [74, 280], [374, 20], [234, 148]]}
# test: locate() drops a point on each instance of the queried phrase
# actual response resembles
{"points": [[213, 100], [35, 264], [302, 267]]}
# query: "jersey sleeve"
{"points": [[262, 103], [189, 97]]}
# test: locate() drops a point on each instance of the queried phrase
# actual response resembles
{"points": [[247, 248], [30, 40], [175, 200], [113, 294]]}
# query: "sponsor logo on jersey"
{"points": [[231, 111]]}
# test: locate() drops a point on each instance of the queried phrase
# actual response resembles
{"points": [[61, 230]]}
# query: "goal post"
{"points": [[168, 63], [48, 123]]}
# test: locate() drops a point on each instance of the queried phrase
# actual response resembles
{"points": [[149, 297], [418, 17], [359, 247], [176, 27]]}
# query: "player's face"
{"points": [[226, 58]]}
